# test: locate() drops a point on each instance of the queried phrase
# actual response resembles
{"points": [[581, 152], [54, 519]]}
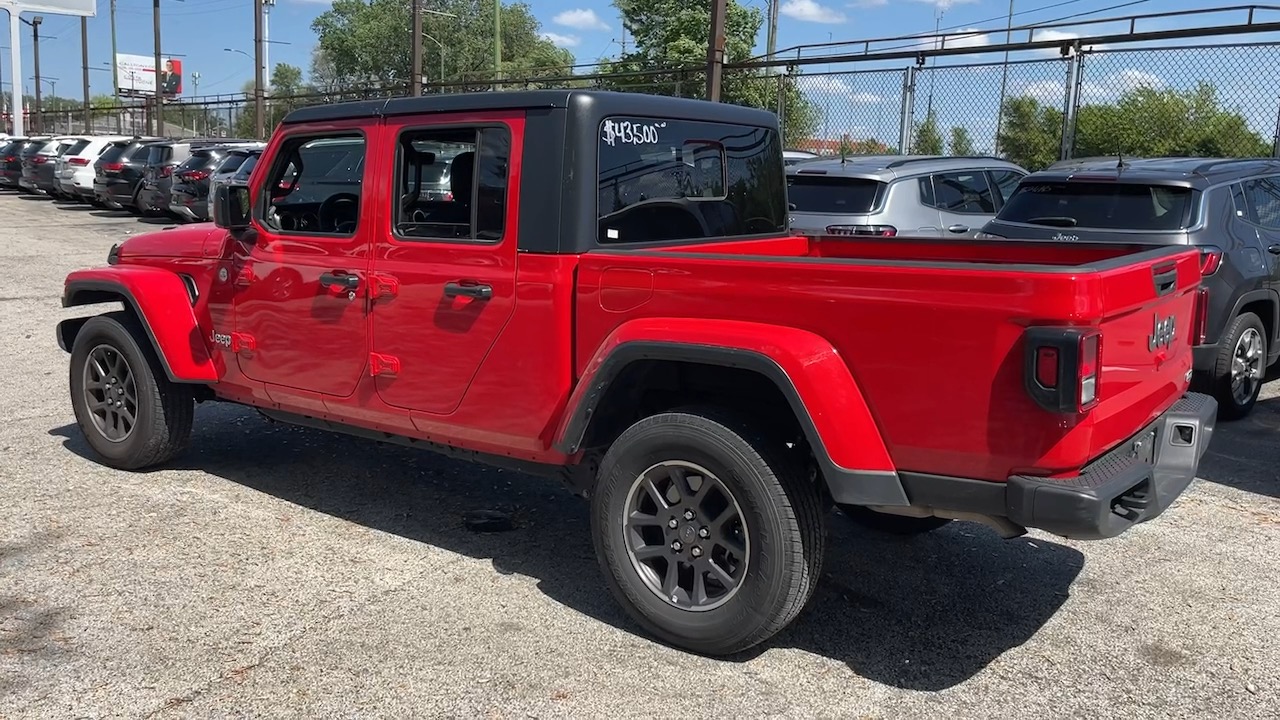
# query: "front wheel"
{"points": [[1241, 365], [129, 411], [708, 534]]}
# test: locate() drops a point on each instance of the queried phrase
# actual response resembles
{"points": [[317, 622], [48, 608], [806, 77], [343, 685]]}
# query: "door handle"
{"points": [[470, 289], [1274, 249], [957, 229], [340, 279]]}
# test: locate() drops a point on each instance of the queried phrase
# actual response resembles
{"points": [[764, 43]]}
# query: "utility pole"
{"points": [[1004, 79], [35, 34], [771, 42], [715, 50], [415, 67], [84, 60], [497, 44], [159, 112], [115, 72], [258, 109], [266, 44]]}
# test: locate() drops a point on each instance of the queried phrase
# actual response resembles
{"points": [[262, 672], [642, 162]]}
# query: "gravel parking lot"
{"points": [[277, 571]]}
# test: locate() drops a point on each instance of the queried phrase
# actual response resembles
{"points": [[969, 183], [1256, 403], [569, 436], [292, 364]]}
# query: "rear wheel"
{"points": [[127, 408], [708, 535], [890, 523], [1241, 365]]}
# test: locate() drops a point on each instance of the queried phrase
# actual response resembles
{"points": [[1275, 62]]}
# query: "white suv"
{"points": [[75, 167]]}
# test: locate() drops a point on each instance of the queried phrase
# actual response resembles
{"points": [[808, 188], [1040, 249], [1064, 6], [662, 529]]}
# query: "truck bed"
{"points": [[932, 331]]}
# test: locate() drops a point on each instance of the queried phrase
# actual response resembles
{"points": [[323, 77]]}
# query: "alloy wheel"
{"points": [[110, 393]]}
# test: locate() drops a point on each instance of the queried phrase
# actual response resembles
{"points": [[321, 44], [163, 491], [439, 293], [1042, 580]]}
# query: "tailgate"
{"points": [[1145, 310]]}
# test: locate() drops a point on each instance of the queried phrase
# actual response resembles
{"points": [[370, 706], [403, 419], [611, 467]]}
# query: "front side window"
{"points": [[314, 186], [451, 183], [687, 180]]}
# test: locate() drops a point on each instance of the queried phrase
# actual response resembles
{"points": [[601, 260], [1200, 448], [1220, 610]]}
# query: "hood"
{"points": [[176, 242]]}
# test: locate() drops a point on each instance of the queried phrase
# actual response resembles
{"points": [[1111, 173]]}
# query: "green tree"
{"points": [[928, 139], [672, 34], [366, 42], [961, 143], [286, 93], [1144, 122]]}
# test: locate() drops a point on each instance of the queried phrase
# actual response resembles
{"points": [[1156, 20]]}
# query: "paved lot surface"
{"points": [[281, 572]]}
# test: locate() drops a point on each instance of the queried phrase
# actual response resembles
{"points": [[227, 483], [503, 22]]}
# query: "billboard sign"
{"points": [[137, 75], [87, 8]]}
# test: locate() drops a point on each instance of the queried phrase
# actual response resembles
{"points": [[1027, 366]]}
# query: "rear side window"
{"points": [[1106, 206], [1263, 201], [963, 192], [159, 154], [452, 183], [686, 180], [833, 195]]}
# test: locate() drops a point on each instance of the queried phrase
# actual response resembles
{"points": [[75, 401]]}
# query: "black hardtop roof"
{"points": [[597, 102], [1196, 172]]}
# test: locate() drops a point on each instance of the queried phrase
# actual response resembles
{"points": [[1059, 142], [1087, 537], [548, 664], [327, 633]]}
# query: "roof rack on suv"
{"points": [[934, 158]]}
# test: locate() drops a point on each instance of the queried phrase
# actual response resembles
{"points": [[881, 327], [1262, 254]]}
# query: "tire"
{"points": [[890, 523], [1245, 332], [162, 410], [778, 529]]}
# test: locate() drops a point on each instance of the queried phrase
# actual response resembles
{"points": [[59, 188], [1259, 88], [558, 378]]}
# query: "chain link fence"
{"points": [[1036, 108]]}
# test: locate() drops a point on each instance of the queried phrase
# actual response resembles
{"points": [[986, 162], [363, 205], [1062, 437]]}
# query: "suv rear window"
{"points": [[1102, 205], [833, 195], [76, 148], [199, 160], [113, 153], [231, 163]]}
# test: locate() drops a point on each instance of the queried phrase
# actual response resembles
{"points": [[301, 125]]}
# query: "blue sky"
{"points": [[864, 103]]}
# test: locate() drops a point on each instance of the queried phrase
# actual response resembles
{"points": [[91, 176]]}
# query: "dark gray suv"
{"points": [[1228, 208]]}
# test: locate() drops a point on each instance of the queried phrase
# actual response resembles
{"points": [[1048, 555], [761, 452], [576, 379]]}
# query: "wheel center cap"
{"points": [[688, 533]]}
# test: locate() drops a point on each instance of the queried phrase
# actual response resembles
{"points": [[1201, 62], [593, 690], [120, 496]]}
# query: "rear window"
{"points": [[198, 161], [231, 163], [138, 152], [77, 147], [1107, 206], [32, 147], [113, 153], [246, 168], [833, 195], [10, 148]]}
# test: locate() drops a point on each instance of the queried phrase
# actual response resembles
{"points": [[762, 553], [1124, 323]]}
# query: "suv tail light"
{"points": [[10, 158], [1210, 259], [166, 171], [79, 161], [862, 230], [1063, 366], [193, 175], [1200, 317], [39, 160], [112, 167]]}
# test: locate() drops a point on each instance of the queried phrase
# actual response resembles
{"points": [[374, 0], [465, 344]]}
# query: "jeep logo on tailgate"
{"points": [[1162, 334]]}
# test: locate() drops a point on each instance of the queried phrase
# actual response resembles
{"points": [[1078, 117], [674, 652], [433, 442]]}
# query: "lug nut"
{"points": [[677, 545], [688, 515], [704, 533], [695, 551], [672, 523]]}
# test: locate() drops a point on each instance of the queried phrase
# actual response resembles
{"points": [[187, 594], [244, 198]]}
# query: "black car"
{"points": [[189, 195], [10, 164], [20, 167], [162, 160], [1228, 208], [118, 172]]}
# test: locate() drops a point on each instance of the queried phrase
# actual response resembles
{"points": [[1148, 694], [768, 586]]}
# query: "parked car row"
{"points": [[1228, 208], [145, 175]]}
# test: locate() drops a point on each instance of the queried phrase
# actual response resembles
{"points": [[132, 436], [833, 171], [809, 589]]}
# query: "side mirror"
{"points": [[231, 207]]}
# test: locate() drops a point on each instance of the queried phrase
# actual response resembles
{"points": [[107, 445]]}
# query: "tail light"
{"points": [[1200, 317], [862, 230], [1210, 259], [10, 158], [1063, 366], [166, 171], [112, 167], [194, 175], [79, 161], [39, 160]]}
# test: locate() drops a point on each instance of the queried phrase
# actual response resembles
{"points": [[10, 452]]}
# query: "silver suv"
{"points": [[890, 195]]}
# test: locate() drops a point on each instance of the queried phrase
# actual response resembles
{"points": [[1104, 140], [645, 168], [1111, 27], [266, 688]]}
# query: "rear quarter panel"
{"points": [[936, 349]]}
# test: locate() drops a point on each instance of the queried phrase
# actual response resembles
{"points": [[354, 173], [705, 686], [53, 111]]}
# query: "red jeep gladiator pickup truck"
{"points": [[603, 286]]}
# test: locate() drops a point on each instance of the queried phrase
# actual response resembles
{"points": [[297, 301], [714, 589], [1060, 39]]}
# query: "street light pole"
{"points": [[159, 121], [415, 57], [715, 50], [84, 60], [38, 123], [258, 109]]}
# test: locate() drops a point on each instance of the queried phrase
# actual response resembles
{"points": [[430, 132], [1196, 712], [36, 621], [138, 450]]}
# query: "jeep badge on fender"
{"points": [[1162, 334]]}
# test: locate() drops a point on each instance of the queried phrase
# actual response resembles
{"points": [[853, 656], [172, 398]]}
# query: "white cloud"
{"points": [[1106, 89], [839, 89], [1129, 80], [580, 19], [968, 38], [865, 98], [945, 5], [869, 3], [1046, 92], [810, 11], [564, 41]]}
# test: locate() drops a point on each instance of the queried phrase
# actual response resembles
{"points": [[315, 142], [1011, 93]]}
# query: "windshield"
{"points": [[1101, 205], [833, 195]]}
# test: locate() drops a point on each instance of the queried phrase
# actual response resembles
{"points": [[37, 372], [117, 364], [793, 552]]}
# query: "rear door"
{"points": [[300, 313], [824, 204], [444, 266], [965, 201]]}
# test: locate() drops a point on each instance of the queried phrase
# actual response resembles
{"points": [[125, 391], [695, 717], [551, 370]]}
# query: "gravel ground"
{"points": [[280, 572]]}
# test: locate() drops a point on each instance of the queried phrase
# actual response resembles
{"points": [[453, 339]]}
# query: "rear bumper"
{"points": [[1133, 483]]}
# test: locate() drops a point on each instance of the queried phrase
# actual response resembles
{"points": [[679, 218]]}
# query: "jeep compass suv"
{"points": [[1229, 208]]}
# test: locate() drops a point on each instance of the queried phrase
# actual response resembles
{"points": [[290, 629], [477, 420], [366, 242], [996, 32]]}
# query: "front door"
{"points": [[301, 318], [444, 266]]}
